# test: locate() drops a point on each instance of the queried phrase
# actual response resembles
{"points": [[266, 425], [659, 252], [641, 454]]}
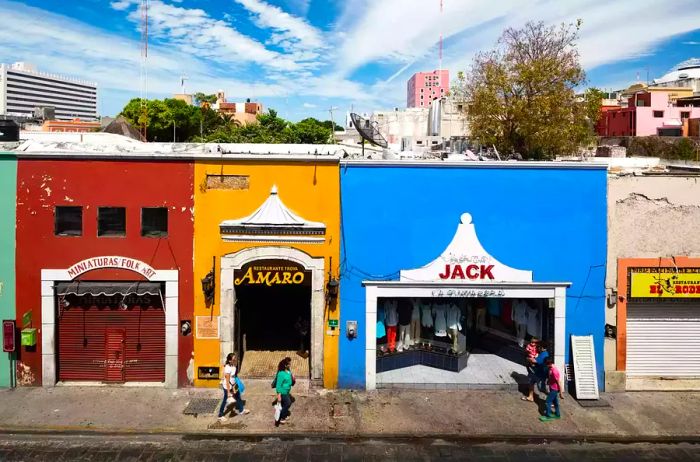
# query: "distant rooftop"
{"points": [[31, 69]]}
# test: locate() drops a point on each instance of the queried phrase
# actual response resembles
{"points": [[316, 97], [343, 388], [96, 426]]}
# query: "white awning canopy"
{"points": [[273, 221]]}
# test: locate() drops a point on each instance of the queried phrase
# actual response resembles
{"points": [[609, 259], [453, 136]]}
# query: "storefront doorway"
{"points": [[472, 315], [273, 314], [116, 331], [256, 293], [462, 341]]}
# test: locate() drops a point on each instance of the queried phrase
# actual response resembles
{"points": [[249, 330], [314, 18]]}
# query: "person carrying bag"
{"points": [[282, 383]]}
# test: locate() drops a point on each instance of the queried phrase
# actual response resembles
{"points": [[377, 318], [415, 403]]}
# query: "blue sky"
{"points": [[303, 57]]}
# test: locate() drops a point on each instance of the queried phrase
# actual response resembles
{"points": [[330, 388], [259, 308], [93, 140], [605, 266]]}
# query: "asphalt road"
{"points": [[176, 448]]}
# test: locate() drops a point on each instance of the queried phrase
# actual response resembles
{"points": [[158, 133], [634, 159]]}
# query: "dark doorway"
{"points": [[269, 315], [272, 317]]}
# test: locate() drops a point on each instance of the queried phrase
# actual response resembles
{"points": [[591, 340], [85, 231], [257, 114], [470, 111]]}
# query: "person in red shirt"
{"points": [[555, 393]]}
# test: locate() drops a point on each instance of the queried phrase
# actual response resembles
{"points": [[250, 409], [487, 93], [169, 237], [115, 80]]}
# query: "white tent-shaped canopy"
{"points": [[273, 222]]}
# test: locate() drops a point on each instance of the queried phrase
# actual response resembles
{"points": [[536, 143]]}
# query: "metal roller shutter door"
{"points": [[663, 340], [82, 340]]}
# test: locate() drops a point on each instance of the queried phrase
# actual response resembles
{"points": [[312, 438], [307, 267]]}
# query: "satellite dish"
{"points": [[368, 130]]}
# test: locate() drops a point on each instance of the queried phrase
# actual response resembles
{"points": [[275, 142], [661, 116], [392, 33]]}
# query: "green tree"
{"points": [[521, 95], [200, 98], [312, 131], [161, 116]]}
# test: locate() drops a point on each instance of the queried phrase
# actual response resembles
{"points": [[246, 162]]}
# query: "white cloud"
{"points": [[291, 33], [121, 5], [403, 31], [309, 105], [193, 31]]}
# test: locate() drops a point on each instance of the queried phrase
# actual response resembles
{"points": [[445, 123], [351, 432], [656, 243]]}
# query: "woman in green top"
{"points": [[284, 381]]}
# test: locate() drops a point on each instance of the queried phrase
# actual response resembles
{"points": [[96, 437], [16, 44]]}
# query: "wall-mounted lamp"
{"points": [[209, 285], [332, 287]]}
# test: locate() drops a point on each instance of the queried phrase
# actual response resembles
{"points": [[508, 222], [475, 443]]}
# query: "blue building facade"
{"points": [[548, 218]]}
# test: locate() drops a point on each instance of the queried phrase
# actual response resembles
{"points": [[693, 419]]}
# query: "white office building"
{"points": [[23, 89]]}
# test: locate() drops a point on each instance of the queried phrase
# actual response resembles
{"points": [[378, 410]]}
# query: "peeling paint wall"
{"points": [[649, 217], [8, 192], [43, 184]]}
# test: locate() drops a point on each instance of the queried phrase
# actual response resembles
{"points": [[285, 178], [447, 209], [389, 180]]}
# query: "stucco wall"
{"points": [[8, 182], [309, 189], [43, 184], [649, 217], [548, 220]]}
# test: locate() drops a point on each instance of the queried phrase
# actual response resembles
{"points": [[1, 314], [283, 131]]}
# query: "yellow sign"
{"points": [[665, 283], [270, 272]]}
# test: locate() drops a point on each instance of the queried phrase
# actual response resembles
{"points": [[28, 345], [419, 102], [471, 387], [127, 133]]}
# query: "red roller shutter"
{"points": [[87, 353]]}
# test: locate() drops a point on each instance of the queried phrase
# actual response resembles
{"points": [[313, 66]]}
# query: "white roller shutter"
{"points": [[663, 340]]}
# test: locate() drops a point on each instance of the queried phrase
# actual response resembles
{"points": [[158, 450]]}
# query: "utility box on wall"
{"points": [[28, 337]]}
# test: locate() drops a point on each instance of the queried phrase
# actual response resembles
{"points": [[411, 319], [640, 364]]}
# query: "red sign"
{"points": [[467, 272], [8, 336]]}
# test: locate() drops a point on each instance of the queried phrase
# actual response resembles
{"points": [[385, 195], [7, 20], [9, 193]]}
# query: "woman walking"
{"points": [[283, 387], [229, 384]]}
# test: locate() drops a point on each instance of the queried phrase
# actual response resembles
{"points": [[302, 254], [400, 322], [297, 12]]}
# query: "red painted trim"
{"points": [[623, 265]]}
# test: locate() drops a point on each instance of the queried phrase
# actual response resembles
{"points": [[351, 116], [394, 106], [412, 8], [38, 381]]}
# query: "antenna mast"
{"points": [[144, 68], [440, 51]]}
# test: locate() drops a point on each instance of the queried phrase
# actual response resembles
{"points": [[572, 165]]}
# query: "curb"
{"points": [[422, 438]]}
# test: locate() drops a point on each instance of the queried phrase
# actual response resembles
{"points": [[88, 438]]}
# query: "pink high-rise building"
{"points": [[424, 87]]}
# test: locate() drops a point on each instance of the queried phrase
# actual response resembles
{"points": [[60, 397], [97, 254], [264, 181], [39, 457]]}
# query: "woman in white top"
{"points": [[230, 387]]}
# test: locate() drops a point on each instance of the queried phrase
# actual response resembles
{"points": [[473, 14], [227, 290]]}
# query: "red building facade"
{"points": [[104, 270]]}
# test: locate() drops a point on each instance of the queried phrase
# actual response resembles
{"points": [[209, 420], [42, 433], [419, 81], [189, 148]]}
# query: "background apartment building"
{"points": [[23, 90], [424, 87]]}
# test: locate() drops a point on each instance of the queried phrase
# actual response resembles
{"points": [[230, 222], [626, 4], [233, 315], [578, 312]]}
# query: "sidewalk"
{"points": [[343, 413]]}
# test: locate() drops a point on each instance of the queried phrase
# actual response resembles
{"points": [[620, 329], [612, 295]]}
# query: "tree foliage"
{"points": [[521, 95], [161, 115]]}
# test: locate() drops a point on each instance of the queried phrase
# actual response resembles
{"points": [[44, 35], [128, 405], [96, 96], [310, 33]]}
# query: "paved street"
{"points": [[176, 448]]}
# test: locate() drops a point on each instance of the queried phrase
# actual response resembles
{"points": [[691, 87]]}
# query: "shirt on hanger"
{"points": [[453, 316], [426, 318], [440, 312], [404, 312], [520, 312], [534, 325], [392, 316], [381, 330], [415, 314]]}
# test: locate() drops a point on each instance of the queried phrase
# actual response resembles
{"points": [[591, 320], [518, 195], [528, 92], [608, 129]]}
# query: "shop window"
{"points": [[111, 221], [68, 221], [685, 115], [658, 114], [154, 221]]}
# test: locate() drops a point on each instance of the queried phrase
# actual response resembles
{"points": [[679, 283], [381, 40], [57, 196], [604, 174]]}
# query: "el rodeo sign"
{"points": [[271, 272], [665, 283]]}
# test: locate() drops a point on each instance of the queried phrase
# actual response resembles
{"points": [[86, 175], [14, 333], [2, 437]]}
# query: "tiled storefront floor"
{"points": [[484, 370], [261, 364]]}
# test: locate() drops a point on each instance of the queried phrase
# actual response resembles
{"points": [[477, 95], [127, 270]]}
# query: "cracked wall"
{"points": [[649, 217]]}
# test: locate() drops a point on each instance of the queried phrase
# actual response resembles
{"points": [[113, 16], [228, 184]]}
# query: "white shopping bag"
{"points": [[278, 411], [230, 400]]}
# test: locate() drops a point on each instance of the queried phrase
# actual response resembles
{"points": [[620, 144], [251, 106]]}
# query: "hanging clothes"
{"points": [[404, 309], [453, 316], [415, 321], [426, 318], [493, 306], [534, 322], [392, 315], [440, 312], [381, 330], [519, 312], [507, 312]]}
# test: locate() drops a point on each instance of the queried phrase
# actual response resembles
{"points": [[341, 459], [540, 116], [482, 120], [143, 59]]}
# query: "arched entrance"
{"points": [[241, 266]]}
